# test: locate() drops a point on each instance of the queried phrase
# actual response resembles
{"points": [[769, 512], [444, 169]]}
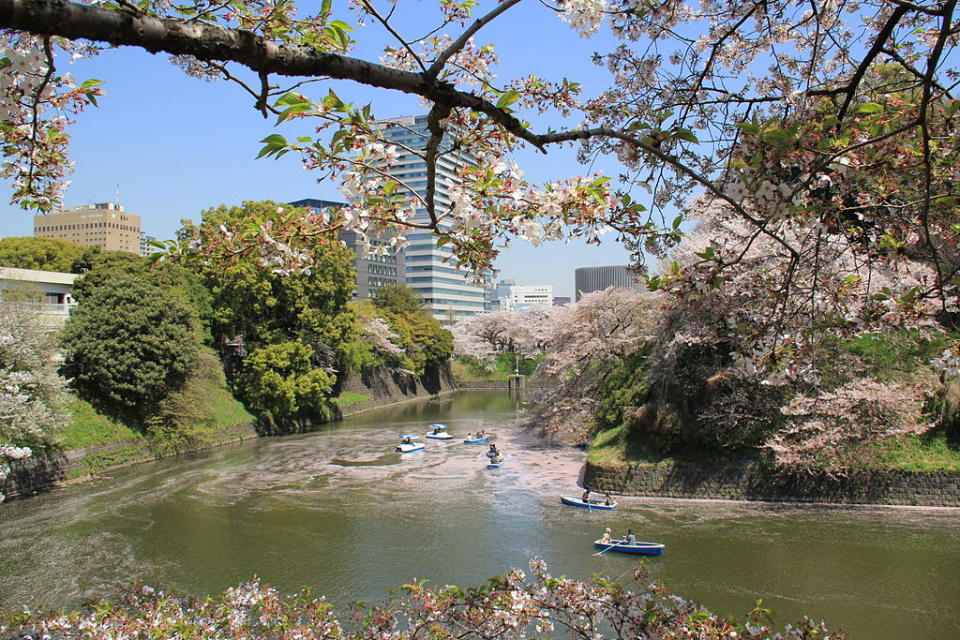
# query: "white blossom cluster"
{"points": [[583, 15]]}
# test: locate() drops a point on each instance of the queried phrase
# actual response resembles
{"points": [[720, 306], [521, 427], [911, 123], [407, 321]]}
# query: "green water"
{"points": [[339, 511]]}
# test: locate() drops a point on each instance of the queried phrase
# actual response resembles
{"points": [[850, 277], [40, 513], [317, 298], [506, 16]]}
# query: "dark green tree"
{"points": [[43, 254], [131, 341], [421, 335], [292, 323]]}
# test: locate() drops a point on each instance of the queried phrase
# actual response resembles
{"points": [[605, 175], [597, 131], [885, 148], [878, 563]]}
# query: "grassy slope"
{"points": [[88, 428]]}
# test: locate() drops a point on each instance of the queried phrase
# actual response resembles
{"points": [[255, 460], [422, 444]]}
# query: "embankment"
{"points": [[43, 472], [754, 481]]}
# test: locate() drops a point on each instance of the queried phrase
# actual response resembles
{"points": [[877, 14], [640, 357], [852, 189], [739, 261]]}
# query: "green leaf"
{"points": [[508, 98], [870, 107], [685, 134], [273, 145], [389, 187], [325, 8], [677, 222]]}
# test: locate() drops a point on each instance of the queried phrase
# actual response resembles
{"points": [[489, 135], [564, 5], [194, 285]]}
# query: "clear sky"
{"points": [[171, 145]]}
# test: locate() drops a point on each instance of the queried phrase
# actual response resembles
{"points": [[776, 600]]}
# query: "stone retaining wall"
{"points": [[42, 472], [754, 481]]}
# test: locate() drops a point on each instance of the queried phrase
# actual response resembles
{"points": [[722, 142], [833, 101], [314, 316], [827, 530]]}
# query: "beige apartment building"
{"points": [[105, 225]]}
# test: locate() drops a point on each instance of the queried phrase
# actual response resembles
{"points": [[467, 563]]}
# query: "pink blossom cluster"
{"points": [[511, 607]]}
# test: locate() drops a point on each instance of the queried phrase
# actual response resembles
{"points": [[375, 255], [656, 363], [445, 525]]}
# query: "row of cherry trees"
{"points": [[760, 357]]}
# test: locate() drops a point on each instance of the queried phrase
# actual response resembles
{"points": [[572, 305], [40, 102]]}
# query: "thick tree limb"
{"points": [[204, 42]]}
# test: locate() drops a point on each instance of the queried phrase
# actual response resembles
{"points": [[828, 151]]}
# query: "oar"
{"points": [[608, 548]]}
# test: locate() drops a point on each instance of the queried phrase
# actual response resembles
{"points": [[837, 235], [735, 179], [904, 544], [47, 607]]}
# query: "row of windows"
{"points": [[440, 280], [450, 292], [428, 247], [435, 268], [381, 270], [87, 225], [380, 282], [388, 258], [457, 303]]}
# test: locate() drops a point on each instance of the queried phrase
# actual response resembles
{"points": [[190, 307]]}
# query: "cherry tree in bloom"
{"points": [[524, 333], [31, 392], [584, 338], [767, 329]]}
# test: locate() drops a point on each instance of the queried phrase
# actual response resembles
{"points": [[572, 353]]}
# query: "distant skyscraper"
{"points": [[589, 279], [106, 225], [373, 270], [448, 291]]}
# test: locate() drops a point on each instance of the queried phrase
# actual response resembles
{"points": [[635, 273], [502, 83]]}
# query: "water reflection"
{"points": [[338, 510]]}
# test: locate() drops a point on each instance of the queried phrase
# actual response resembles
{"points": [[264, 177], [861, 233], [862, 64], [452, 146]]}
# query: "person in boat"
{"points": [[436, 430], [494, 454], [406, 440], [630, 538], [608, 501], [469, 436], [586, 496], [606, 539]]}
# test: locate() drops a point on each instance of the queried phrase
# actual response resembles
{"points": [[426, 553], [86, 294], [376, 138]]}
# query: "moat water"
{"points": [[339, 511]]}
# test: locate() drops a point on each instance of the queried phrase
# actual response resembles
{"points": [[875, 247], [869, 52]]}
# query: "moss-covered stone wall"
{"points": [[755, 481]]}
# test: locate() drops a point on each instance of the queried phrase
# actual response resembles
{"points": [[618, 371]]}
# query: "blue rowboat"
{"points": [[495, 464], [439, 432], [408, 444], [476, 440], [643, 548], [589, 504]]}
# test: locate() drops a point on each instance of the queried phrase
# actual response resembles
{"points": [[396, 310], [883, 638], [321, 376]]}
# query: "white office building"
{"points": [[448, 291], [522, 297]]}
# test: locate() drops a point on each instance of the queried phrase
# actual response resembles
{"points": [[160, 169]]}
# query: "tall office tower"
{"points": [[588, 279], [105, 225], [448, 291], [374, 269]]}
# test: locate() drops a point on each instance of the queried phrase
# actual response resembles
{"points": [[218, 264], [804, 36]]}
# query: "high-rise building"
{"points": [[106, 225], [589, 279], [374, 269], [449, 291]]}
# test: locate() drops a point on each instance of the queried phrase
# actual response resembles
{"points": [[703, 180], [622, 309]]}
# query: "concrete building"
{"points": [[374, 269], [561, 301], [106, 225], [47, 293], [589, 279], [448, 291], [510, 296], [146, 248]]}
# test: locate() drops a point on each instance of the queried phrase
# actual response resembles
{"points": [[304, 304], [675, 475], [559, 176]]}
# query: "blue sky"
{"points": [[174, 145]]}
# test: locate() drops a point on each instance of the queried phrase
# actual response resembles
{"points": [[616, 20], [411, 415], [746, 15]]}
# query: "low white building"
{"points": [[49, 293], [521, 297]]}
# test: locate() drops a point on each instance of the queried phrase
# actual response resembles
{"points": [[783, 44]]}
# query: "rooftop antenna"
{"points": [[118, 195]]}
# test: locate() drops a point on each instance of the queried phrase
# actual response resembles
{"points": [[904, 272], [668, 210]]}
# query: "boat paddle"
{"points": [[616, 542]]}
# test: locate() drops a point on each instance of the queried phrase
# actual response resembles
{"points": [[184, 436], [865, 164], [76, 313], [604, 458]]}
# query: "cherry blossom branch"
{"points": [[459, 43], [385, 21]]}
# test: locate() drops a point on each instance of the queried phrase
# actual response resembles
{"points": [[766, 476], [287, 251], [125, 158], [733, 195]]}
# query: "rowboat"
{"points": [[408, 444], [476, 440], [439, 432], [593, 503], [643, 548], [496, 462]]}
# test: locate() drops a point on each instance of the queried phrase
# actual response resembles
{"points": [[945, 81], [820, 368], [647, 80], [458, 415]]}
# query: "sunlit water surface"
{"points": [[339, 511]]}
